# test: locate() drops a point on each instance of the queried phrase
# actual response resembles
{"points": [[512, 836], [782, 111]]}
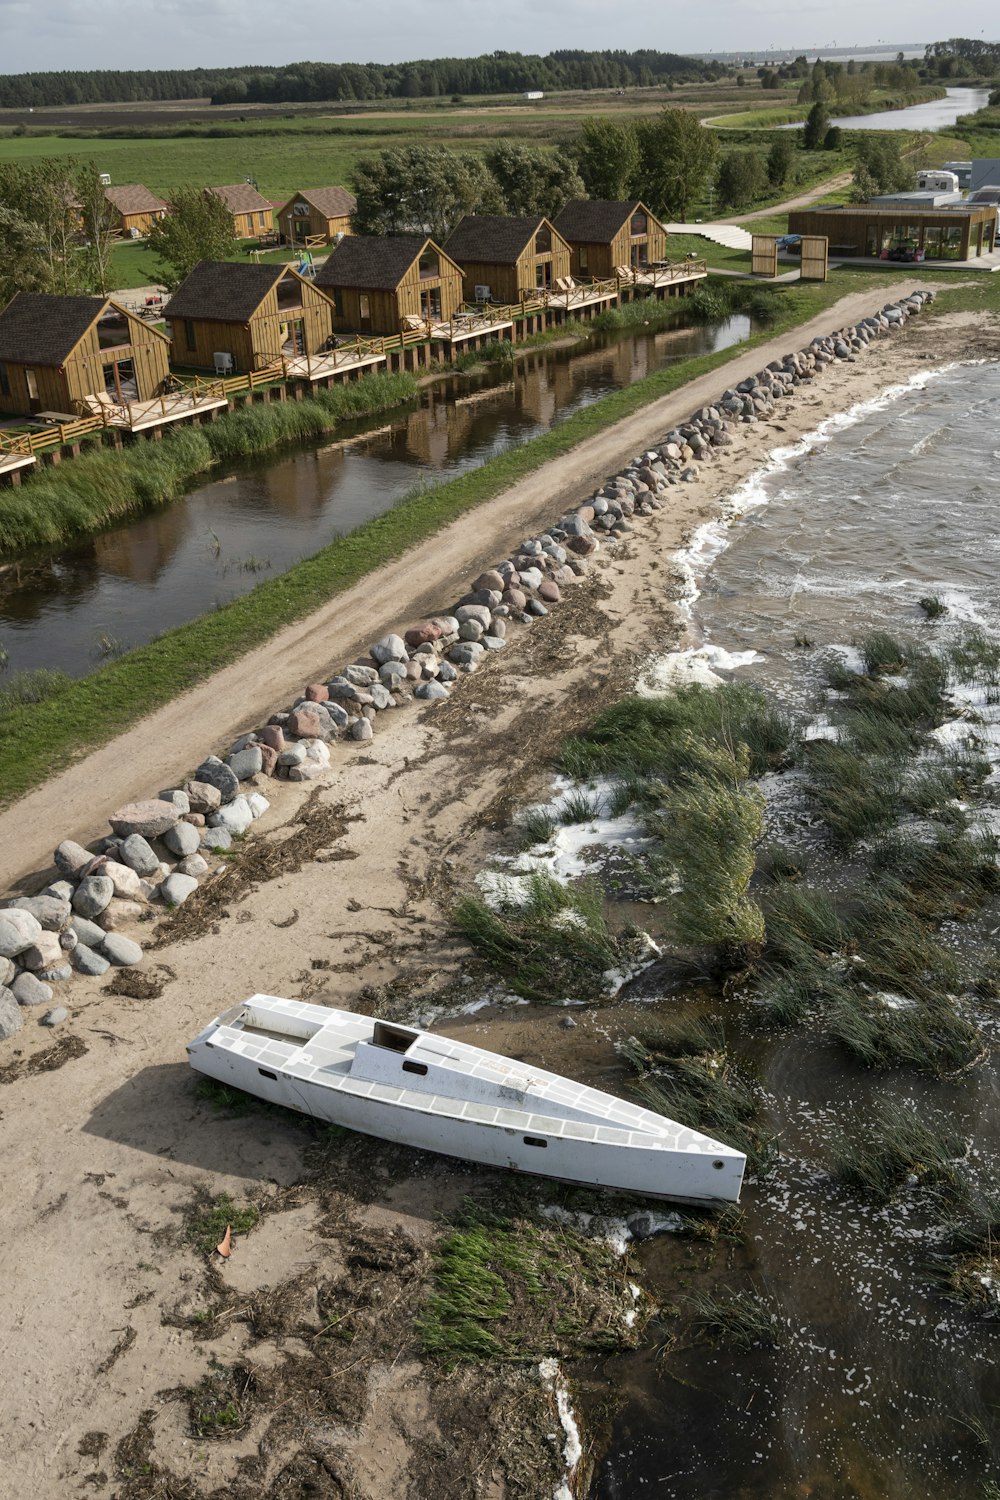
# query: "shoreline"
{"points": [[109, 1147]]}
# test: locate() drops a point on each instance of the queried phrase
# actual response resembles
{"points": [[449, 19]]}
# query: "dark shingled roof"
{"points": [[133, 198], [331, 202], [242, 198], [227, 291], [594, 221], [371, 261], [37, 328], [498, 239]]}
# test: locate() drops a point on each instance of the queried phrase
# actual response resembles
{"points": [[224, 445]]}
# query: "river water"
{"points": [[879, 1384], [934, 114], [74, 607]]}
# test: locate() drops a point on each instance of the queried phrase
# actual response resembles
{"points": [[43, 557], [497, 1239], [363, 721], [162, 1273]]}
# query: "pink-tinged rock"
{"points": [[126, 882], [119, 913], [269, 759], [203, 797], [549, 591], [491, 579], [423, 635], [414, 671], [149, 819], [582, 545], [197, 820], [304, 724], [308, 771], [516, 599], [317, 692], [586, 513], [273, 735]]}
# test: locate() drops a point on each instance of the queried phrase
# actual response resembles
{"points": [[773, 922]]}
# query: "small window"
{"points": [[301, 210], [338, 302], [534, 1140], [4, 381], [414, 1067], [265, 1073], [364, 307], [543, 241], [32, 380], [190, 336], [640, 224], [262, 220], [584, 258]]}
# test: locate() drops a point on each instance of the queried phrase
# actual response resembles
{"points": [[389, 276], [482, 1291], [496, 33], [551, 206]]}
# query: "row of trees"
{"points": [[666, 160], [496, 73], [56, 229]]}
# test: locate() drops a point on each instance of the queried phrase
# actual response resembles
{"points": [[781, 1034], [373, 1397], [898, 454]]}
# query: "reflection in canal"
{"points": [[120, 589]]}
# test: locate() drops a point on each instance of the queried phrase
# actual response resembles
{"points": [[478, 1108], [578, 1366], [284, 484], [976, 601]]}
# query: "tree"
{"points": [[98, 219], [198, 227], [608, 159], [780, 158], [532, 179], [879, 167], [833, 138], [41, 247], [816, 126], [742, 176], [421, 190], [676, 157]]}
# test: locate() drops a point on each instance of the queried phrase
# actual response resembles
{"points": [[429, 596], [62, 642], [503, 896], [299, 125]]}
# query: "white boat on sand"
{"points": [[435, 1094]]}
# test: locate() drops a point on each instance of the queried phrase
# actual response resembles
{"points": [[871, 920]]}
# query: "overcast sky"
{"points": [[52, 34]]}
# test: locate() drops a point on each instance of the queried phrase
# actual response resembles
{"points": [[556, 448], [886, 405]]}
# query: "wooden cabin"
{"points": [[59, 353], [883, 231], [382, 285], [504, 258], [316, 216], [252, 213], [227, 316], [604, 236], [135, 209]]}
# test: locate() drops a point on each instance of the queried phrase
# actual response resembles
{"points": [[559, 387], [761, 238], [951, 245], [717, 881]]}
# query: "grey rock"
{"points": [[86, 961], [137, 854], [466, 652], [194, 865], [216, 773], [27, 989], [68, 938], [18, 930], [361, 676], [125, 881], [177, 888], [493, 642], [11, 1019], [392, 673], [7, 971], [245, 763], [342, 690], [56, 974], [447, 673], [568, 1023], [92, 895], [122, 950], [389, 648], [70, 858], [235, 815], [217, 839], [430, 689], [54, 1017], [184, 839], [381, 696], [361, 729], [537, 608], [477, 612], [336, 716], [177, 799], [531, 578], [50, 912], [88, 932], [44, 951], [471, 630], [259, 805], [293, 755], [61, 889]]}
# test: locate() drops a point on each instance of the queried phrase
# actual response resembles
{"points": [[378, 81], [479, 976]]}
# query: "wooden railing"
{"points": [[26, 444]]}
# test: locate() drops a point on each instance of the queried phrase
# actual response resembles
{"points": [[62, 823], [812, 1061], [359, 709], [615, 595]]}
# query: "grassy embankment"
{"points": [[39, 738]]}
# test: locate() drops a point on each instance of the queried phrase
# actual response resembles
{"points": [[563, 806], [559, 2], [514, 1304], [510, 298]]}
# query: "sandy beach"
{"points": [[105, 1140]]}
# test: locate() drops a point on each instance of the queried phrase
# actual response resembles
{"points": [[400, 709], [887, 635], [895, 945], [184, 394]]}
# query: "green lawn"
{"points": [[132, 264]]}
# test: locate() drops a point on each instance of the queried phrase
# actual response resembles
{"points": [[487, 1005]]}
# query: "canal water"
{"points": [[934, 114], [73, 608], [880, 1389]]}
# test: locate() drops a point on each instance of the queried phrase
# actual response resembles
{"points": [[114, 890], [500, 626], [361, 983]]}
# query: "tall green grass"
{"points": [[107, 486]]}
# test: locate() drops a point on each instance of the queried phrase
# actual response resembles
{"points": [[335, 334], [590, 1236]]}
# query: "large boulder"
{"points": [[149, 819], [183, 839], [245, 763], [389, 648], [86, 961], [51, 912], [219, 775], [11, 1019], [125, 880], [28, 990], [176, 889], [122, 950], [235, 816], [204, 796], [92, 895], [87, 932], [71, 859], [44, 952], [136, 853], [18, 930]]}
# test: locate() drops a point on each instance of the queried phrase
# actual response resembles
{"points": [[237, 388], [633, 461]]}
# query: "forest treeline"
{"points": [[304, 82]]}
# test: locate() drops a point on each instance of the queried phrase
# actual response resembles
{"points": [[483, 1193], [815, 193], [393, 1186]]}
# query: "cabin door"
{"points": [[120, 382], [543, 276], [430, 304], [365, 313], [295, 340]]}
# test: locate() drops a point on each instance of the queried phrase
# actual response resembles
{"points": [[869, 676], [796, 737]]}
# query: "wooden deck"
{"points": [[161, 411], [11, 463]]}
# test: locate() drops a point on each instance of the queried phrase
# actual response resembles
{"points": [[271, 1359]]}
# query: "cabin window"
{"points": [[584, 258], [543, 241], [430, 266], [364, 307], [266, 1073], [4, 381], [534, 1140], [394, 1038], [32, 382], [640, 224], [338, 302], [190, 336], [301, 210], [414, 1067], [262, 220]]}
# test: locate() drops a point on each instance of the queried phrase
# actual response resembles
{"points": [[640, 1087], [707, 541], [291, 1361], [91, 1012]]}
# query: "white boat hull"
{"points": [[530, 1121]]}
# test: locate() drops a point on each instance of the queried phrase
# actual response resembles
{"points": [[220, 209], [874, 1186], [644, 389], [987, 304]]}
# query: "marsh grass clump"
{"points": [[801, 923], [739, 1320], [965, 1266], [505, 1287], [855, 796], [704, 1093], [536, 825], [899, 950], [933, 606], [579, 807], [885, 1030], [552, 944], [207, 1218], [947, 875], [902, 1145], [882, 652], [975, 658]]}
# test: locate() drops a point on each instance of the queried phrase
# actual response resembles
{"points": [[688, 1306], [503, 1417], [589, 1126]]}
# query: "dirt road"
{"points": [[161, 749]]}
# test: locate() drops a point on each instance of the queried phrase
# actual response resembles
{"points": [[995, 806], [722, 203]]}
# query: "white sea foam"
{"points": [[551, 1375]]}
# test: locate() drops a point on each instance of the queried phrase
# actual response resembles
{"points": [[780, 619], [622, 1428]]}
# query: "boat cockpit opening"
{"points": [[393, 1038], [265, 1022]]}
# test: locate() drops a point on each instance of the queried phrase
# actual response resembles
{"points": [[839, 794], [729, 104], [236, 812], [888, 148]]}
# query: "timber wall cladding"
{"points": [[815, 257], [764, 255]]}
